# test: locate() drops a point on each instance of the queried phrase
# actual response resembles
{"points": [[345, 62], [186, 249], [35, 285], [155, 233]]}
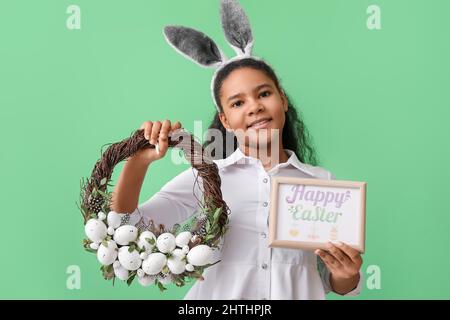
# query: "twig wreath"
{"points": [[151, 252]]}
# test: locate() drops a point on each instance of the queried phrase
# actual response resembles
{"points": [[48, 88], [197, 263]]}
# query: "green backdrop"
{"points": [[375, 101]]}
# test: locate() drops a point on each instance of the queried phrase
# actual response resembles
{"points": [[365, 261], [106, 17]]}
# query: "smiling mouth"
{"points": [[260, 124]]}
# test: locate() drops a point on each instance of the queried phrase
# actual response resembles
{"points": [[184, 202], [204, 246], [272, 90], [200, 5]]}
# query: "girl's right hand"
{"points": [[156, 132]]}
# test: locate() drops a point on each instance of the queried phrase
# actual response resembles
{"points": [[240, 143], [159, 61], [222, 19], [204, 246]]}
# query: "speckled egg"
{"points": [[125, 234], [143, 242], [145, 281], [154, 263], [95, 230], [129, 260], [114, 219], [106, 255], [121, 273], [166, 242], [199, 255], [176, 265], [183, 239]]}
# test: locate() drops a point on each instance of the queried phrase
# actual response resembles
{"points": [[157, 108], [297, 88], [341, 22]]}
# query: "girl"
{"points": [[250, 100]]}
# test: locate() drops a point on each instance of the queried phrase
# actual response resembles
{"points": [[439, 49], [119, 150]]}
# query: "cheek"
{"points": [[280, 119], [237, 121]]}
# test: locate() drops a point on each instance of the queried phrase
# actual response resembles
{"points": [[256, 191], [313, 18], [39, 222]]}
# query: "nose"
{"points": [[255, 107]]}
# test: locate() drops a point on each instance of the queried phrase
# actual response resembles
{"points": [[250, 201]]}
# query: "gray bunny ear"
{"points": [[194, 45], [236, 27]]}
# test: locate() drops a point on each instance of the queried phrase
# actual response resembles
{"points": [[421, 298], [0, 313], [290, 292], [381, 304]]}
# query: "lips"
{"points": [[260, 123]]}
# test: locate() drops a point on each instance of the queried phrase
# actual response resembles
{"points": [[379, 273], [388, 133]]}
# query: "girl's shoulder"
{"points": [[319, 172]]}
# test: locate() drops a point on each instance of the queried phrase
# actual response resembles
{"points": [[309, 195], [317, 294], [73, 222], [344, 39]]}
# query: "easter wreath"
{"points": [[150, 252]]}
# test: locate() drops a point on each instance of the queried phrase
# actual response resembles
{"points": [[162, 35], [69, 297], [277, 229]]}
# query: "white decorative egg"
{"points": [[143, 242], [154, 263], [176, 265], [189, 267], [178, 253], [101, 215], [143, 255], [95, 230], [199, 255], [185, 249], [114, 219], [125, 234], [129, 260], [106, 255], [94, 245], [121, 273], [166, 242], [145, 281], [140, 273], [110, 231], [116, 264], [183, 239], [164, 280]]}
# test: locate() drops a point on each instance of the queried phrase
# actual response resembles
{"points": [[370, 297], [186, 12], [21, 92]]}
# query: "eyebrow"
{"points": [[257, 88]]}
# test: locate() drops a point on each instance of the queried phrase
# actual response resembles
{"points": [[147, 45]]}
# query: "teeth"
{"points": [[260, 122]]}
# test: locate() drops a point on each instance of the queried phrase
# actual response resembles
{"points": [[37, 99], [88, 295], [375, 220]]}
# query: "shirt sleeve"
{"points": [[325, 274], [177, 200]]}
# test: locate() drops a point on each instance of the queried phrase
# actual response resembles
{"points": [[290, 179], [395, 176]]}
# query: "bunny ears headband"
{"points": [[198, 47]]}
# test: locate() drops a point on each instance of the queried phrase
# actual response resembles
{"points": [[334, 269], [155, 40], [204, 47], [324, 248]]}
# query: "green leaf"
{"points": [[217, 215], [90, 250], [211, 264], [131, 278], [109, 268], [160, 286], [175, 228], [151, 241], [105, 243], [102, 193]]}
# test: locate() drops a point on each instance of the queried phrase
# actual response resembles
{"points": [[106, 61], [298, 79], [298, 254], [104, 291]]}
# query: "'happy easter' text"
{"points": [[319, 214]]}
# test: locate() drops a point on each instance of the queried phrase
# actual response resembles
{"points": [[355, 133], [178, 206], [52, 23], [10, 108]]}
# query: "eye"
{"points": [[237, 103], [265, 94]]}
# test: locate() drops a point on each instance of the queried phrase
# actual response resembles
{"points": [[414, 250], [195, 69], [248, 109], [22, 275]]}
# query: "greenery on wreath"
{"points": [[103, 230]]}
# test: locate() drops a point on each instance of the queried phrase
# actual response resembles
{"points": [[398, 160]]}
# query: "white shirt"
{"points": [[248, 269]]}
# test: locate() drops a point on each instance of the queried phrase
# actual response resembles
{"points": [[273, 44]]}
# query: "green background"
{"points": [[375, 101]]}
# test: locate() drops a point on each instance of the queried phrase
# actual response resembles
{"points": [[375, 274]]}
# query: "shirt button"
{"points": [[263, 234], [264, 266], [265, 180], [265, 204]]}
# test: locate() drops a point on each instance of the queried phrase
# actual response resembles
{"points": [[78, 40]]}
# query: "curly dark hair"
{"points": [[295, 135]]}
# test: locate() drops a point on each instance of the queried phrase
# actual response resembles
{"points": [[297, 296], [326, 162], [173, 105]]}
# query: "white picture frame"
{"points": [[308, 213]]}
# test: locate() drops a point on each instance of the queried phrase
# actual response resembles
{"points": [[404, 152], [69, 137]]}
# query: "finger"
{"points": [[339, 254], [147, 127], [155, 132], [352, 253], [330, 267], [163, 136], [176, 125], [329, 260], [165, 128]]}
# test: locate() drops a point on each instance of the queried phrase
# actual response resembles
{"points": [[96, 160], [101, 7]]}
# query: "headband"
{"points": [[202, 50]]}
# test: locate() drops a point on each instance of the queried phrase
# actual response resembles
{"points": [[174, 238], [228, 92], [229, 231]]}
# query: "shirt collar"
{"points": [[238, 157]]}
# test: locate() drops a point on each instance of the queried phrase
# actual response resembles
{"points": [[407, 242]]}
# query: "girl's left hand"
{"points": [[343, 261]]}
